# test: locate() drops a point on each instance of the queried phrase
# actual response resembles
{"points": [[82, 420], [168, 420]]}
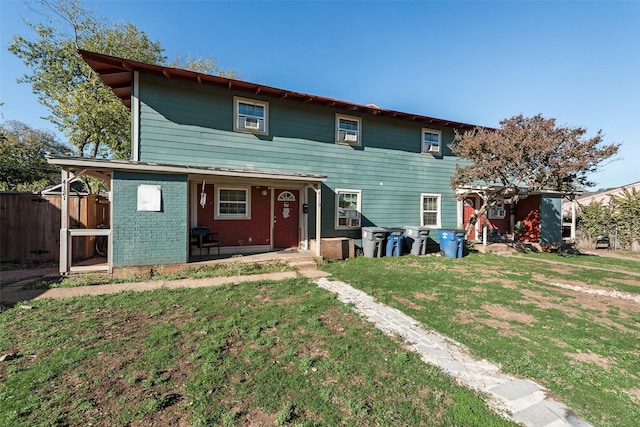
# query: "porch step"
{"points": [[303, 265], [495, 248], [309, 269]]}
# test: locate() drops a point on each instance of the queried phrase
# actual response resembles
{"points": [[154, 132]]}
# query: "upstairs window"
{"points": [[348, 205], [233, 203], [430, 210], [348, 130], [251, 116], [432, 141]]}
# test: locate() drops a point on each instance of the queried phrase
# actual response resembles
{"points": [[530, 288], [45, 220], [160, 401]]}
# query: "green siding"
{"points": [[147, 238], [190, 124], [550, 219]]}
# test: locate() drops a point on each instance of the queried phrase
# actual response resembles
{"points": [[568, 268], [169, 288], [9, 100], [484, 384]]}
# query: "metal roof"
{"points": [[105, 166], [117, 73]]}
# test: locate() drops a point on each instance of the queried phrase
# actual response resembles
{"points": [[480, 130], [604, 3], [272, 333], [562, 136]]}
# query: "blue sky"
{"points": [[476, 61]]}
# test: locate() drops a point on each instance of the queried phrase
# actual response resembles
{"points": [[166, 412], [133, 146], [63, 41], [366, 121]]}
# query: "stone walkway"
{"points": [[521, 400]]}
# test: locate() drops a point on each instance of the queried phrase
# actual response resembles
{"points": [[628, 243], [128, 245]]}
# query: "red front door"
{"points": [[469, 208], [286, 219]]}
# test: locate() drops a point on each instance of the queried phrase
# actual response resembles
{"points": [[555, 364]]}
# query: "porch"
{"points": [[154, 207]]}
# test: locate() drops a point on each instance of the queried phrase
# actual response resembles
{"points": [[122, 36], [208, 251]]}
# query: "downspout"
{"points": [[135, 117]]}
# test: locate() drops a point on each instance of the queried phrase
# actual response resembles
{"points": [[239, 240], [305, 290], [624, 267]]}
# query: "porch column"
{"points": [[65, 247], [573, 219], [318, 189], [484, 222]]}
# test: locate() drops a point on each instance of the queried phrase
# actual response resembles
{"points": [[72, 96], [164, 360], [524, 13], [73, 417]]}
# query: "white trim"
{"points": [[429, 150], [349, 219], [439, 211], [135, 117], [272, 216], [304, 218], [246, 215], [318, 189], [286, 196], [246, 127], [497, 211], [345, 137]]}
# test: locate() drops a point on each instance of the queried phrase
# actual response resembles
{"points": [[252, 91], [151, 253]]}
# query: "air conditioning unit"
{"points": [[251, 123], [350, 137], [434, 148]]}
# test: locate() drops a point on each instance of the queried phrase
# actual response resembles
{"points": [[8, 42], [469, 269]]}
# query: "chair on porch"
{"points": [[202, 237]]}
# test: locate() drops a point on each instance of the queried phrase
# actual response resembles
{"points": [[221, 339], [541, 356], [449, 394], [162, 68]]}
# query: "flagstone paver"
{"points": [[522, 400]]}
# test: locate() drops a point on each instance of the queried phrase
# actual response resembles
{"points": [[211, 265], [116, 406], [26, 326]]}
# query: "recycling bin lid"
{"points": [[447, 233]]}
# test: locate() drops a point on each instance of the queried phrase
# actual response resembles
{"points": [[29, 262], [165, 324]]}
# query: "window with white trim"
{"points": [[233, 203], [250, 116], [497, 211], [430, 210], [348, 206], [348, 129], [431, 141]]}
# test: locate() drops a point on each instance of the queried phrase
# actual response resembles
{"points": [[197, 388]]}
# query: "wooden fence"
{"points": [[30, 225]]}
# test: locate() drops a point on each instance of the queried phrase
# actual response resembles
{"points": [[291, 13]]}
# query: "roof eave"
{"points": [[117, 74], [82, 163]]}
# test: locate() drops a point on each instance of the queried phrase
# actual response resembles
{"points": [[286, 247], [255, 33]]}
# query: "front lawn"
{"points": [[266, 353], [514, 311]]}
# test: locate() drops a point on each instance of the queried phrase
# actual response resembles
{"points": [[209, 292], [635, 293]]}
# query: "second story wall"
{"points": [[191, 124]]}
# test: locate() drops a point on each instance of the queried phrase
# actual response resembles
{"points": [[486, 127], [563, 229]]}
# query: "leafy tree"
{"points": [[23, 166], [81, 106], [626, 217], [595, 219], [203, 65], [94, 120], [526, 155]]}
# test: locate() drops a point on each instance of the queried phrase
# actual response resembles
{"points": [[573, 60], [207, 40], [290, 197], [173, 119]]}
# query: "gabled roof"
{"points": [[117, 73]]}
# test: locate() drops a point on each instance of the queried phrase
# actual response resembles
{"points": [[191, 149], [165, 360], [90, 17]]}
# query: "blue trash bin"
{"points": [[395, 238], [460, 238], [449, 243]]}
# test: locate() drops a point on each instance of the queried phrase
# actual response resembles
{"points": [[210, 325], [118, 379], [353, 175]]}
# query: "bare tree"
{"points": [[525, 155]]}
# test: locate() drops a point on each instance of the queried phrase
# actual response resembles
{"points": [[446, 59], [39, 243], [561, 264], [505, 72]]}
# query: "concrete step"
{"points": [[303, 264]]}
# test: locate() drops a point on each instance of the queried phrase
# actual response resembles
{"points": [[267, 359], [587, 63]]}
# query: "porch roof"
{"points": [[480, 189], [103, 168]]}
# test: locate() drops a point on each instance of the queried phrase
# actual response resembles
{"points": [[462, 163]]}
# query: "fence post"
{"points": [[65, 247]]}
